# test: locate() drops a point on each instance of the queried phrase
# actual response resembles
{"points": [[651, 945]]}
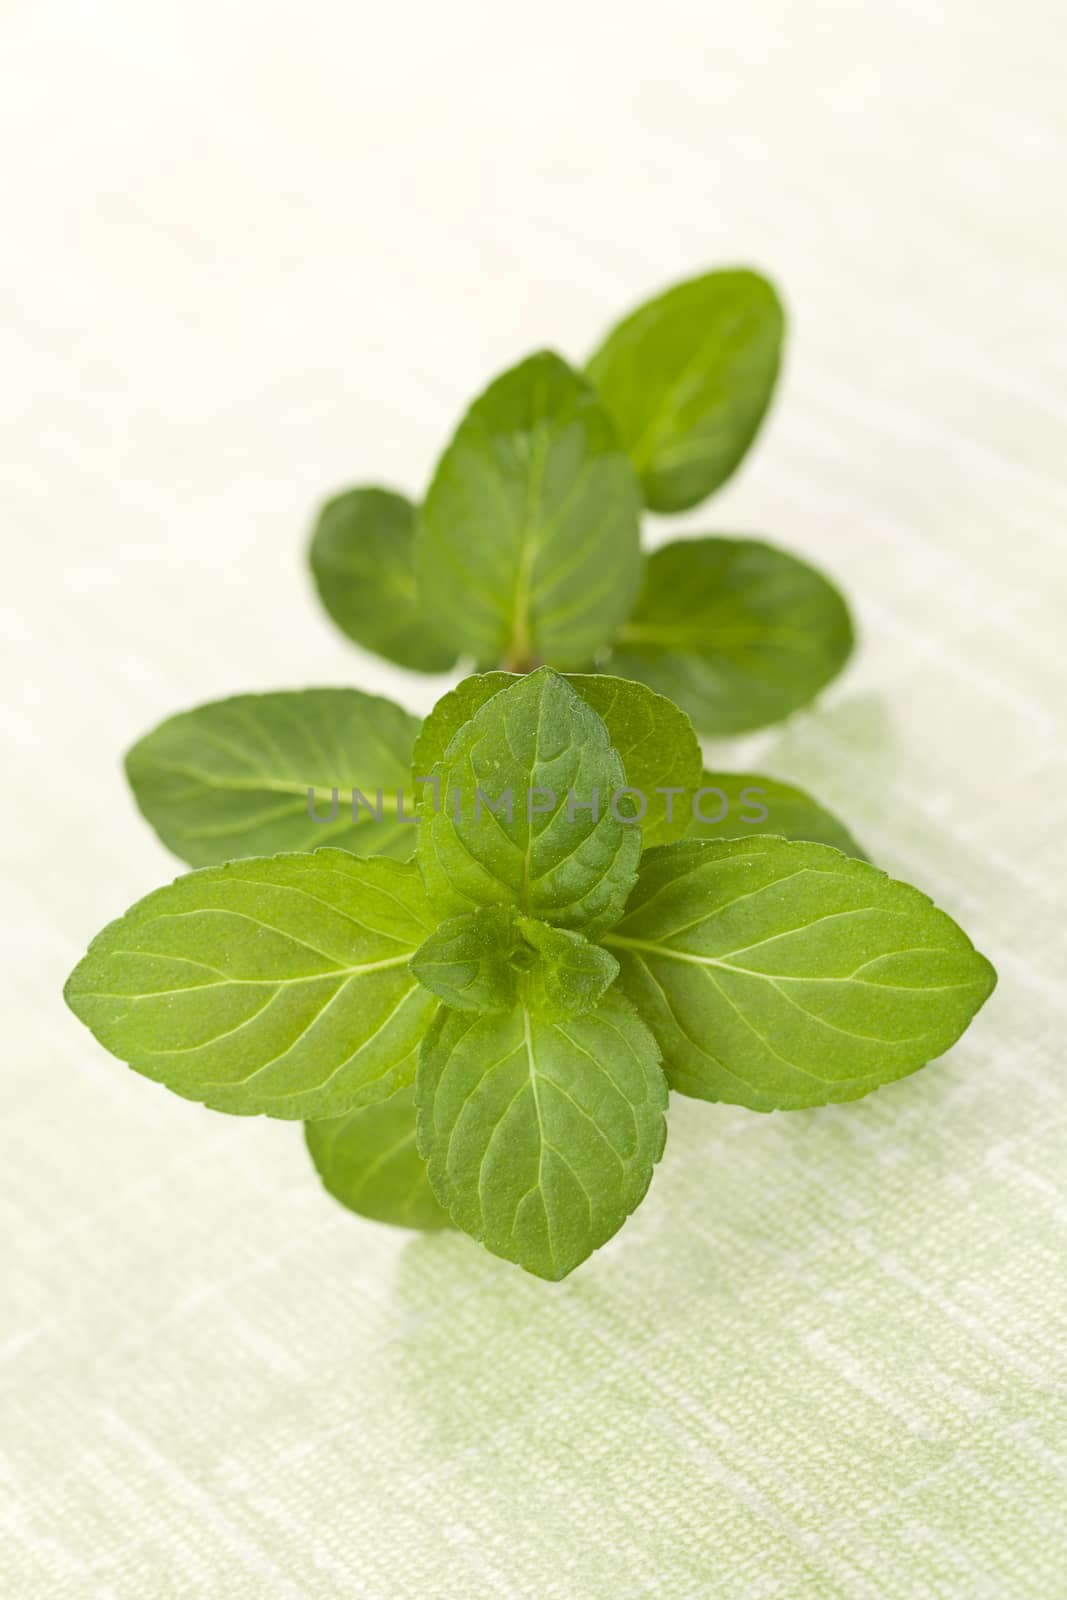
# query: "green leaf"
{"points": [[367, 1159], [452, 712], [528, 546], [541, 1136], [467, 961], [564, 975], [747, 803], [363, 560], [491, 960], [658, 746], [655, 740], [688, 377], [528, 750], [778, 974], [278, 986], [231, 778], [738, 633]]}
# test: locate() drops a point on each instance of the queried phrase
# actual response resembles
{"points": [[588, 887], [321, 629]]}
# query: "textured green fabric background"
{"points": [[252, 254]]}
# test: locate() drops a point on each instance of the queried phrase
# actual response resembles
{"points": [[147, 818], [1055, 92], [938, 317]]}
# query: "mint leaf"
{"points": [[363, 560], [231, 778], [563, 974], [541, 1136], [452, 712], [688, 377], [467, 961], [738, 633], [655, 741], [367, 1159], [658, 747], [737, 805], [552, 848], [528, 546], [276, 986], [777, 974], [492, 960]]}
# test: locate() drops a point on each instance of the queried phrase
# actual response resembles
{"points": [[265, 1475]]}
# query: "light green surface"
{"points": [[246, 264]]}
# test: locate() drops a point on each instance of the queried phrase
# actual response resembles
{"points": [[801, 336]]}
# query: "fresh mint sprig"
{"points": [[526, 548], [473, 955], [522, 992]]}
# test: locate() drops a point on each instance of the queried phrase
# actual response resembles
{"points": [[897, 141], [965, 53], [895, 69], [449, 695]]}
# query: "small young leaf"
{"points": [[231, 778], [738, 633], [492, 960], [745, 803], [528, 546], [541, 1136], [363, 560], [688, 377], [367, 1159], [655, 741], [467, 962], [778, 974], [276, 986], [533, 776], [566, 975]]}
